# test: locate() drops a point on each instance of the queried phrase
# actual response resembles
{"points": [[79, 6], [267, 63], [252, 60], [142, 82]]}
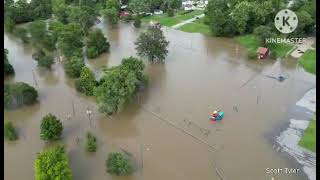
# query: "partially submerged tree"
{"points": [[9, 132], [152, 44], [43, 59], [91, 144], [8, 69], [51, 127], [119, 85], [52, 164], [118, 164], [87, 82], [111, 14], [18, 94], [73, 66], [97, 43]]}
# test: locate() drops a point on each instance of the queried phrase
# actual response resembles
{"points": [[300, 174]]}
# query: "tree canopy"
{"points": [[118, 164], [51, 127], [52, 164], [9, 131], [97, 43], [8, 69], [152, 44], [73, 66], [87, 82], [18, 94], [43, 59], [119, 85]]}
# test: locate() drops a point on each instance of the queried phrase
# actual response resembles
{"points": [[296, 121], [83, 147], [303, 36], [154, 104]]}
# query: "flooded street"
{"points": [[199, 75]]}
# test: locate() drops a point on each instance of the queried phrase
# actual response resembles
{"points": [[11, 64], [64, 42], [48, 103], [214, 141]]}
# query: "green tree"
{"points": [[111, 15], [262, 33], [52, 164], [18, 94], [70, 38], [119, 85], [9, 23], [241, 15], [51, 127], [113, 4], [83, 15], [118, 164], [91, 144], [137, 22], [73, 66], [87, 82], [139, 6], [60, 10], [40, 36], [306, 24], [170, 12], [22, 33], [220, 21], [96, 43], [43, 59], [9, 132], [152, 44], [8, 69]]}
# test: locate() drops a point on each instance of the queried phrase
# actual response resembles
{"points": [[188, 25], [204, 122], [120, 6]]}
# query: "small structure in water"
{"points": [[263, 52], [216, 115]]}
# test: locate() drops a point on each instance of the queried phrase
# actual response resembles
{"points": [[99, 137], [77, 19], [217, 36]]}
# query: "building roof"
{"points": [[262, 50]]}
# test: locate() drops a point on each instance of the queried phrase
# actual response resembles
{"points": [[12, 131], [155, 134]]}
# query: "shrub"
{"points": [[96, 43], [252, 54], [9, 132], [43, 59], [170, 12], [87, 82], [52, 164], [51, 127], [19, 94], [91, 144], [73, 66], [137, 22], [118, 164]]}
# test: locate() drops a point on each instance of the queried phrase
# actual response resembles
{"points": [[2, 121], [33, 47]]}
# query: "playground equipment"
{"points": [[216, 115]]}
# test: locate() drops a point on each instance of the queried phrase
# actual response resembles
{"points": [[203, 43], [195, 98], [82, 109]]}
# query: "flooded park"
{"points": [[166, 129]]}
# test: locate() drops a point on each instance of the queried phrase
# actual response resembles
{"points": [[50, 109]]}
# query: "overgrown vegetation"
{"points": [[91, 144], [73, 66], [52, 164], [86, 83], [51, 127], [8, 69], [9, 132], [118, 164], [18, 94], [43, 59]]}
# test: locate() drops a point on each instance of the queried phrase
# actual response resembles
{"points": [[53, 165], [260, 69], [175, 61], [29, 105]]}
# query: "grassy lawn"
{"points": [[308, 140], [196, 26], [165, 20], [308, 61], [251, 43]]}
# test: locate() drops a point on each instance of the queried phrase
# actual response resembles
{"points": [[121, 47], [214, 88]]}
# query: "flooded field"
{"points": [[162, 129]]}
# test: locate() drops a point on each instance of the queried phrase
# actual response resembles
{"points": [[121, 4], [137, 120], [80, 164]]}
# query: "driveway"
{"points": [[187, 21]]}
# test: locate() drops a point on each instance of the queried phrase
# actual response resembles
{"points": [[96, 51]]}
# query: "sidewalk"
{"points": [[187, 21]]}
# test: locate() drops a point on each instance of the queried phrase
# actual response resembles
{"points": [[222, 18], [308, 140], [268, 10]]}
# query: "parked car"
{"points": [[158, 12]]}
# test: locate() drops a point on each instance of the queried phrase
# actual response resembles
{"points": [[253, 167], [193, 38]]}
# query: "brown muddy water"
{"points": [[200, 74]]}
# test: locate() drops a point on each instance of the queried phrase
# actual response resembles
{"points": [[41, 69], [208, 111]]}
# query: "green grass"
{"points": [[196, 26], [308, 61], [308, 140], [165, 20], [251, 43]]}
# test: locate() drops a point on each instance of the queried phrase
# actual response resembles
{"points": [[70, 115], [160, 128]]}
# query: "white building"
{"points": [[194, 4]]}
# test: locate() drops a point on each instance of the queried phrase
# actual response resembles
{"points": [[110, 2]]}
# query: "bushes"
{"points": [[137, 22], [87, 82], [9, 132], [111, 14], [73, 66], [170, 12], [51, 127], [18, 94], [91, 144], [52, 164], [43, 59], [8, 69], [118, 164], [22, 33], [96, 43]]}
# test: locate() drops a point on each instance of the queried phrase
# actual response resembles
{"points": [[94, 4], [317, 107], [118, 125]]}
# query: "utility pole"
{"points": [[34, 78]]}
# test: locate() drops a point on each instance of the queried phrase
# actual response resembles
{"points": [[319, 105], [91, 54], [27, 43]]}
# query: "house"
{"points": [[194, 5], [263, 52]]}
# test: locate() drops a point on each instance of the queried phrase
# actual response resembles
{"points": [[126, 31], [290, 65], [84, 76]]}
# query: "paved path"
{"points": [[302, 48], [187, 21]]}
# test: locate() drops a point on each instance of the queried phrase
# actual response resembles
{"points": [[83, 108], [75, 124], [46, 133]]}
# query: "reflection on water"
{"points": [[200, 74]]}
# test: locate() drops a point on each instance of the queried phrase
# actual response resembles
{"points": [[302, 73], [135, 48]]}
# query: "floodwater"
{"points": [[164, 131]]}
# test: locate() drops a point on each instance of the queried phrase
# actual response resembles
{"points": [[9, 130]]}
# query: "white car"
{"points": [[158, 12]]}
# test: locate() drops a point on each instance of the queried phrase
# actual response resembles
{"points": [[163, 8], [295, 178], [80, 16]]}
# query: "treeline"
{"points": [[234, 17]]}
